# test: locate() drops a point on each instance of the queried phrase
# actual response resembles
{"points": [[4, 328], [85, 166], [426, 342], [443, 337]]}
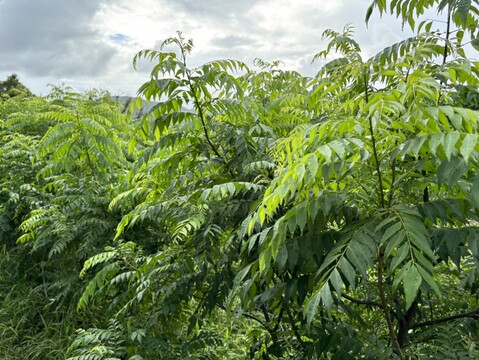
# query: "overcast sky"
{"points": [[90, 43]]}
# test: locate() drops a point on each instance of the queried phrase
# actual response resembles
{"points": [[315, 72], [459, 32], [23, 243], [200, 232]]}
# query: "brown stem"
{"points": [[425, 195], [446, 42], [265, 313], [375, 151], [272, 332], [278, 322], [393, 180], [448, 33], [405, 323], [202, 118], [252, 317], [201, 113], [246, 315], [291, 321], [474, 314], [362, 302], [384, 305]]}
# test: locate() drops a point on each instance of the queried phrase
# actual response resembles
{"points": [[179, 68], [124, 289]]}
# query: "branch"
{"points": [[201, 114], [246, 315], [393, 180], [474, 314], [375, 150], [272, 332], [291, 321], [448, 33], [252, 317], [385, 307], [362, 302], [278, 323], [265, 313]]}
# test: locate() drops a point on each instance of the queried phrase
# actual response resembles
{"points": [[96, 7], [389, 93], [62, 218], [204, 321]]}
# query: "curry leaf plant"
{"points": [[375, 201], [298, 205], [253, 212]]}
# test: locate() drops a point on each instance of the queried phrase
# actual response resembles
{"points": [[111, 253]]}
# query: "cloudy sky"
{"points": [[90, 43]]}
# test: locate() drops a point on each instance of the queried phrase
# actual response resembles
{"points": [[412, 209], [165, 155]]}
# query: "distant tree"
{"points": [[12, 87]]}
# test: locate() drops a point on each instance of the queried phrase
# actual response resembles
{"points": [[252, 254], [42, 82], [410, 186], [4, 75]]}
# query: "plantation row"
{"points": [[252, 212]]}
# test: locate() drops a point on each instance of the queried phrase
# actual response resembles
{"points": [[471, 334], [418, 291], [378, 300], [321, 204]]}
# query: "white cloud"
{"points": [[89, 44]]}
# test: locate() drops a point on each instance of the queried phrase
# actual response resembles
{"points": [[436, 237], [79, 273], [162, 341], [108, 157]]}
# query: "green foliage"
{"points": [[292, 202], [464, 13], [252, 213], [54, 209], [13, 87]]}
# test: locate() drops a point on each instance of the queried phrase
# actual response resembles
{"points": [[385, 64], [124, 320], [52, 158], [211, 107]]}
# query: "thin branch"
{"points": [[200, 112], [265, 313], [393, 180], [246, 315], [252, 317], [290, 316], [361, 302], [291, 321], [375, 151], [202, 118], [272, 332], [448, 33], [278, 322], [384, 305], [474, 314], [405, 323]]}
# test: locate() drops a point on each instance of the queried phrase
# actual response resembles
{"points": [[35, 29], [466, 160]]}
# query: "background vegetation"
{"points": [[251, 213]]}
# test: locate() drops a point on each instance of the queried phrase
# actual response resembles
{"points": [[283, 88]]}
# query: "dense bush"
{"points": [[251, 213]]}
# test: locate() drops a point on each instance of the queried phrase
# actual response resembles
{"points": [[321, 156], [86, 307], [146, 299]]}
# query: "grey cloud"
{"points": [[307, 67], [52, 37], [59, 40], [215, 8], [233, 41], [218, 13]]}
